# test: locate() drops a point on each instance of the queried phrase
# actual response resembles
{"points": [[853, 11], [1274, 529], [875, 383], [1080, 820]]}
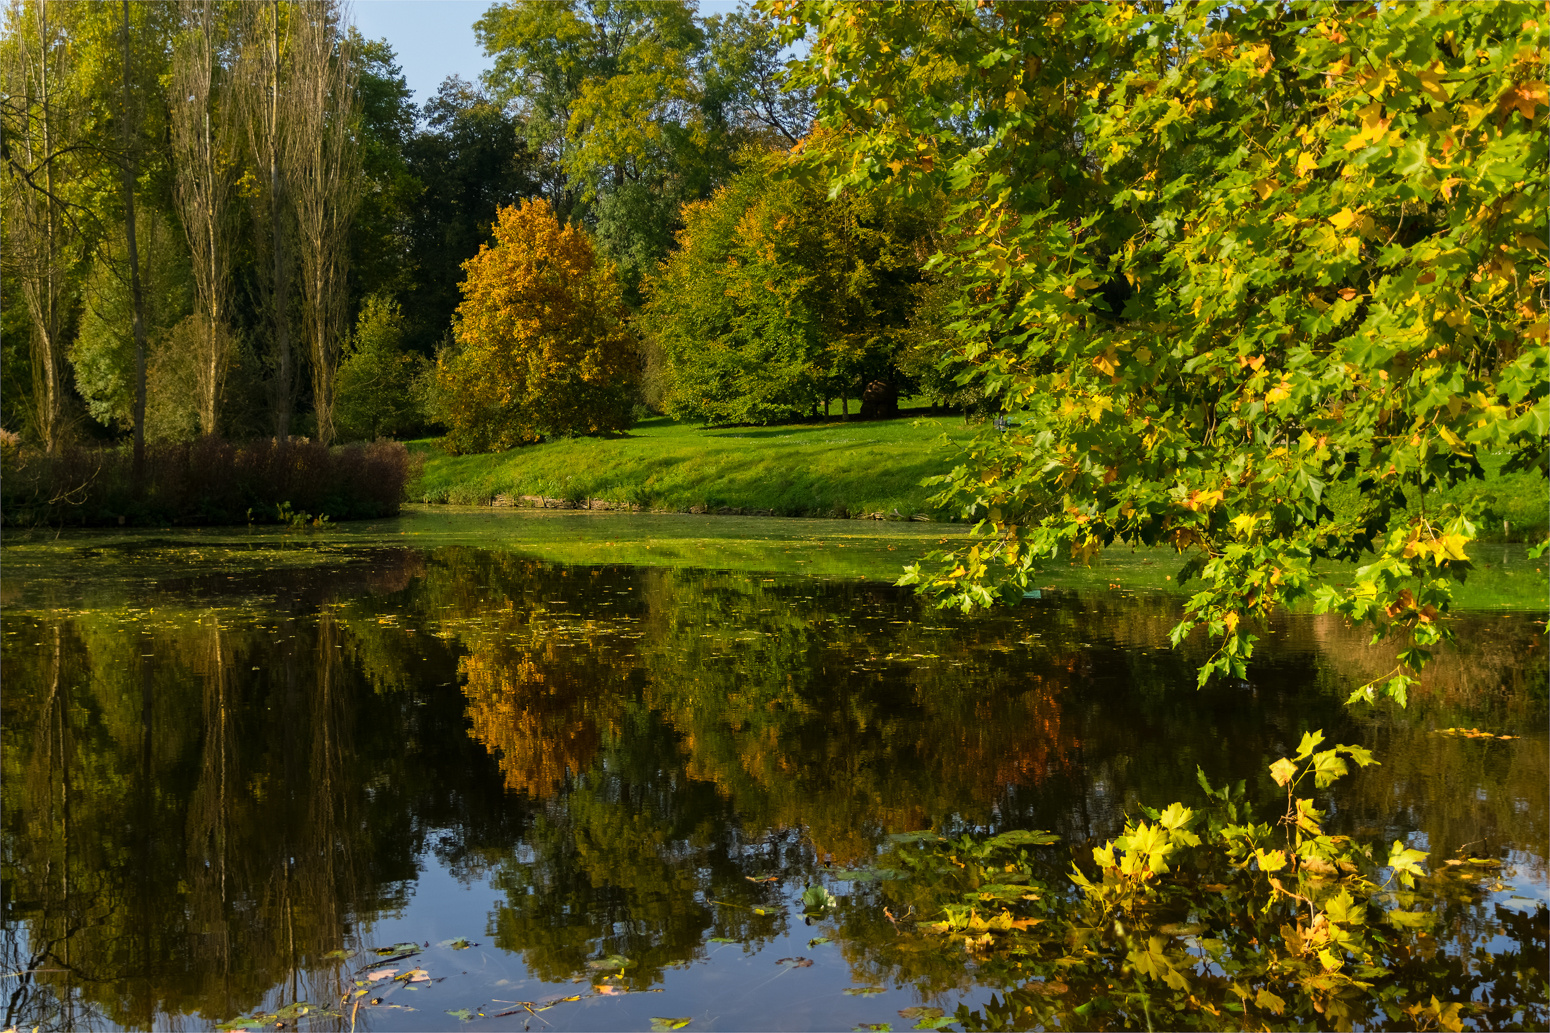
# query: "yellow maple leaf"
{"points": [[1431, 83], [1271, 860]]}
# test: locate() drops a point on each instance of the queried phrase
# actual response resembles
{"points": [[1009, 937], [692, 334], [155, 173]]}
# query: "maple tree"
{"points": [[543, 346], [1220, 262]]}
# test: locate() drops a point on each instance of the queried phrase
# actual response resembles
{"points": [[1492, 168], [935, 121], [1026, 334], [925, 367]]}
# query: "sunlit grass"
{"points": [[839, 468]]}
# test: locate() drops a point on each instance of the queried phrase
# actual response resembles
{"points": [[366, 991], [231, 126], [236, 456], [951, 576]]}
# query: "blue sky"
{"points": [[435, 38]]}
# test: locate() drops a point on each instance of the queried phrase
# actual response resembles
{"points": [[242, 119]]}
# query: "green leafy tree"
{"points": [[102, 355], [543, 349], [1226, 263], [379, 239], [779, 297], [375, 393], [469, 161], [638, 106]]}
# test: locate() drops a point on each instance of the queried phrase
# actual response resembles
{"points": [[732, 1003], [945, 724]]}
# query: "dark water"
{"points": [[234, 765]]}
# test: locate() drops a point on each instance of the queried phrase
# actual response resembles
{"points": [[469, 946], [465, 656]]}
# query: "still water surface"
{"points": [[592, 762]]}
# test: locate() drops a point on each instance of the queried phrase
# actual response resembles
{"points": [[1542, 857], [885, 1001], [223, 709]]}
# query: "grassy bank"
{"points": [[834, 469], [841, 469]]}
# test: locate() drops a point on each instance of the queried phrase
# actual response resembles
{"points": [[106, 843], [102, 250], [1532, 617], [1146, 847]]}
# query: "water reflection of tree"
{"points": [[631, 747], [841, 712], [140, 899]]}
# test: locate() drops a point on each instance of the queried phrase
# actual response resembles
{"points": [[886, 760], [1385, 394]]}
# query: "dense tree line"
{"points": [[234, 219]]}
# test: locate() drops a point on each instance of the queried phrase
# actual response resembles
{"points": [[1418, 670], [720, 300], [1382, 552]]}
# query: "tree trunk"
{"points": [[204, 186], [37, 230], [324, 164]]}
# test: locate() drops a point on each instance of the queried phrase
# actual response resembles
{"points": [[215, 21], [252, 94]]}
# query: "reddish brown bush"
{"points": [[209, 481]]}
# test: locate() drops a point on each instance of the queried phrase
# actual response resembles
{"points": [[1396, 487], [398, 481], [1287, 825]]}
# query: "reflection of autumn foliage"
{"points": [[539, 714]]}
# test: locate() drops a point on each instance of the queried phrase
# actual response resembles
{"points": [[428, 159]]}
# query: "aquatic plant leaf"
{"points": [[458, 944], [612, 963], [661, 1023], [863, 874], [337, 955], [1023, 837], [797, 962], [923, 836], [461, 1014], [397, 948], [816, 898], [1003, 891], [863, 991], [920, 1012], [876, 1027], [817, 941], [722, 939]]}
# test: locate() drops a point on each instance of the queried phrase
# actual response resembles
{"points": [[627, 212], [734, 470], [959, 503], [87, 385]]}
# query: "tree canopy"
{"points": [[778, 297], [543, 347], [1221, 263]]}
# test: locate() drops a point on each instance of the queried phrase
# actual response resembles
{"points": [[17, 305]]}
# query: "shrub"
{"points": [[208, 481]]}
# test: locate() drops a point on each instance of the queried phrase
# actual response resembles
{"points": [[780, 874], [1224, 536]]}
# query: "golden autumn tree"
{"points": [[543, 347]]}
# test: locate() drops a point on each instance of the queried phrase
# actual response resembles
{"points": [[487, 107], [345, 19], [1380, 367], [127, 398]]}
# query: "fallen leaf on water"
{"points": [[862, 991], [609, 989], [659, 1023], [817, 941], [381, 973], [876, 1027], [613, 963], [458, 944], [336, 955], [767, 878]]}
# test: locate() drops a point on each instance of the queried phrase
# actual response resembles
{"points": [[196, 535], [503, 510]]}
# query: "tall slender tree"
{"points": [[204, 144], [40, 229], [129, 170], [262, 80], [325, 163]]}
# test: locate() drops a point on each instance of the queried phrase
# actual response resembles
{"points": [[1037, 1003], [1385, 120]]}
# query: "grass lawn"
{"points": [[823, 469], [832, 469]]}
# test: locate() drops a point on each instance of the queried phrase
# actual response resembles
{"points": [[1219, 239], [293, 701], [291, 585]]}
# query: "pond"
{"points": [[577, 771]]}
